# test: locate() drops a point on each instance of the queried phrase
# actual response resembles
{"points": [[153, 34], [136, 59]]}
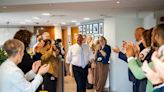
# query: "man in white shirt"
{"points": [[79, 56]]}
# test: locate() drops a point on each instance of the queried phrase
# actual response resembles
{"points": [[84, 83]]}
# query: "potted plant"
{"points": [[3, 55]]}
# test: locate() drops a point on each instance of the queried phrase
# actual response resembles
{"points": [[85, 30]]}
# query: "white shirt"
{"points": [[12, 79], [79, 55], [160, 50], [35, 47], [145, 52]]}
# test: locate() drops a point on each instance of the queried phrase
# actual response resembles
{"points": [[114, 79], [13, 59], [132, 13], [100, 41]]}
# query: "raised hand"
{"points": [[116, 49], [130, 49], [158, 63], [43, 69], [153, 76], [36, 66]]}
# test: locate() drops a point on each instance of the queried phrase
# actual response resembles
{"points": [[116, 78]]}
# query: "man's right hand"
{"points": [[116, 49], [43, 69]]}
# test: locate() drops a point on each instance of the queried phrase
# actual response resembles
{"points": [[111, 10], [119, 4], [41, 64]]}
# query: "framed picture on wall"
{"points": [[81, 29], [84, 28], [87, 29], [95, 28], [101, 28], [84, 33], [91, 28]]}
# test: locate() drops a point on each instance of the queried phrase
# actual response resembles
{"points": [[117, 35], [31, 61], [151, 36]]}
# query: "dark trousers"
{"points": [[80, 75], [143, 84], [49, 83], [136, 86]]}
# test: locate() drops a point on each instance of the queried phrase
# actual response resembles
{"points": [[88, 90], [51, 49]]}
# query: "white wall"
{"points": [[158, 15], [149, 21], [8, 33], [115, 30], [109, 34]]}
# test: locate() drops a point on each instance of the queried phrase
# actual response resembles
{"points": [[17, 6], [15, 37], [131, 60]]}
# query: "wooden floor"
{"points": [[70, 86]]}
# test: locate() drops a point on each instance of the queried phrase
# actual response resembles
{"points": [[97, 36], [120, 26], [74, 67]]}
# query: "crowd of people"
{"points": [[22, 72], [43, 64], [90, 62], [145, 59]]}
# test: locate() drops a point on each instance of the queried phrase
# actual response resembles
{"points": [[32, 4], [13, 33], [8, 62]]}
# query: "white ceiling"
{"points": [[18, 11]]}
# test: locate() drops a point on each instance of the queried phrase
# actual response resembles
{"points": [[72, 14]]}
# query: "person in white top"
{"points": [[79, 56], [12, 78]]}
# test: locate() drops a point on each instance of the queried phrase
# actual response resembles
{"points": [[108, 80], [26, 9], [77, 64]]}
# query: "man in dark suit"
{"points": [[123, 57]]}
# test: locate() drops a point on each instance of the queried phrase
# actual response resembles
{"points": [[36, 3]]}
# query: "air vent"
{"points": [[105, 16], [58, 15]]}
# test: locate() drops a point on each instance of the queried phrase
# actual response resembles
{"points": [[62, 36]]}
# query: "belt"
{"points": [[79, 66], [99, 61]]}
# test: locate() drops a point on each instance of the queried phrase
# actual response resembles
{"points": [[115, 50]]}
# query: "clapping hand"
{"points": [[36, 66], [43, 69], [130, 49], [116, 49], [158, 63], [153, 76]]}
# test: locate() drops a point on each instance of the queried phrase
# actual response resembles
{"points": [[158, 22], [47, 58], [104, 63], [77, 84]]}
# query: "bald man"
{"points": [[122, 56], [46, 35], [79, 56]]}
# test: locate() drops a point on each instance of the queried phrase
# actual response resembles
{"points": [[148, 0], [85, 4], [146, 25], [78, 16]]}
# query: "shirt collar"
{"points": [[103, 46], [10, 62]]}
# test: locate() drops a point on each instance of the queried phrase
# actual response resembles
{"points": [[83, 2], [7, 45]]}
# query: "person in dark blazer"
{"points": [[25, 37], [102, 64], [156, 75], [122, 56]]}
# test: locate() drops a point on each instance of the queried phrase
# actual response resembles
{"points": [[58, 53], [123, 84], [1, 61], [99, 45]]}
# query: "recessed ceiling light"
{"points": [[27, 20], [36, 18], [4, 7], [46, 14], [73, 21], [117, 2], [42, 28], [63, 23], [86, 18]]}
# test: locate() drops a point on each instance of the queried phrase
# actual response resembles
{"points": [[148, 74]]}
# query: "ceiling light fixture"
{"points": [[63, 23], [73, 21], [4, 7], [117, 2], [46, 14], [27, 20], [36, 18], [86, 18]]}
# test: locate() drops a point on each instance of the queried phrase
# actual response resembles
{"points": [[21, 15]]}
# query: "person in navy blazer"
{"points": [[103, 52], [123, 57]]}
